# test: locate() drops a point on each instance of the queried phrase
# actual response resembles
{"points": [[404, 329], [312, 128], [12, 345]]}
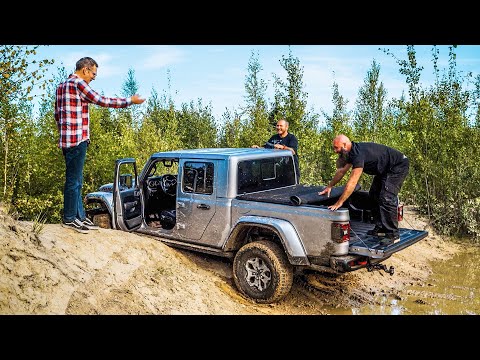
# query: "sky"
{"points": [[216, 74]]}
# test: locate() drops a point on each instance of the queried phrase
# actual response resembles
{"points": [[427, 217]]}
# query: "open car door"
{"points": [[127, 200]]}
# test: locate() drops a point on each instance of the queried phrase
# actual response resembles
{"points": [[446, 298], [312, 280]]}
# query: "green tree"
{"points": [[290, 97], [41, 187], [130, 115], [334, 124], [20, 74], [229, 134], [159, 130], [441, 163], [290, 102], [256, 128], [370, 104], [197, 126]]}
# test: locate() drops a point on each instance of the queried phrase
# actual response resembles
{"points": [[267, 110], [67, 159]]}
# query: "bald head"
{"points": [[341, 143]]}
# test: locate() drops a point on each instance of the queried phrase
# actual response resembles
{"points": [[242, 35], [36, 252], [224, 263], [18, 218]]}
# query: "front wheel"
{"points": [[102, 220], [261, 272]]}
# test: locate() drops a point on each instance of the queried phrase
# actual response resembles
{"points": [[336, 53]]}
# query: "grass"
{"points": [[39, 223]]}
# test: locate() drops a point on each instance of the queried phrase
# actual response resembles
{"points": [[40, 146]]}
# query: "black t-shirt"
{"points": [[375, 159], [290, 141]]}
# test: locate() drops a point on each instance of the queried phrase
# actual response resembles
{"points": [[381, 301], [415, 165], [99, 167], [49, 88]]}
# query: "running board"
{"points": [[196, 248]]}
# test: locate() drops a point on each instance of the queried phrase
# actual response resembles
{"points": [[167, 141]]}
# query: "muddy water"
{"points": [[452, 289]]}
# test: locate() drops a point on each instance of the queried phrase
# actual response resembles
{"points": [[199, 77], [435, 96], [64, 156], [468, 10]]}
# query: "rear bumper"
{"points": [[349, 263]]}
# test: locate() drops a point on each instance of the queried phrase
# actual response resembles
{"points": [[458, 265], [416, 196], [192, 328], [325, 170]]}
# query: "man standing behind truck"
{"points": [[284, 140], [389, 167]]}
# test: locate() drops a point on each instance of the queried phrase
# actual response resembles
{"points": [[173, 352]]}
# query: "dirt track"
{"points": [[112, 272]]}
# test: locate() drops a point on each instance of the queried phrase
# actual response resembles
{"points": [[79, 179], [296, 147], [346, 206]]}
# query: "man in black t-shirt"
{"points": [[389, 168], [285, 141]]}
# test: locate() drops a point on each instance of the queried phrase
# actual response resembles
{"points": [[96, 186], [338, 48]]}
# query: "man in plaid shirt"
{"points": [[71, 114]]}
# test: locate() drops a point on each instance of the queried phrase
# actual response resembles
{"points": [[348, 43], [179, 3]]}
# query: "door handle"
{"points": [[203, 206]]}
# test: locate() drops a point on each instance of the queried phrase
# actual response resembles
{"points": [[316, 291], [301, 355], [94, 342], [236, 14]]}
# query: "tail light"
{"points": [[340, 232], [400, 212], [361, 261]]}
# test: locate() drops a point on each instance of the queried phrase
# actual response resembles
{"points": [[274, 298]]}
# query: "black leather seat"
{"points": [[168, 219]]}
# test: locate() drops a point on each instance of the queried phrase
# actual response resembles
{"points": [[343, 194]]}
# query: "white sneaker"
{"points": [[76, 225], [90, 225]]}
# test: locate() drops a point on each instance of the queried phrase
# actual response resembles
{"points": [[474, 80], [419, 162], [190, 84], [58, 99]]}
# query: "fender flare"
{"points": [[289, 238], [101, 198]]}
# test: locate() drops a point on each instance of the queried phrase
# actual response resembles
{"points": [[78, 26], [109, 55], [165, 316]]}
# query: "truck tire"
{"points": [[102, 220], [262, 273]]}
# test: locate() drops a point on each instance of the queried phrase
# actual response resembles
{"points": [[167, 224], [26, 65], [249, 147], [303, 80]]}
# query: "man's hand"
{"points": [[255, 146], [327, 190], [136, 99], [336, 205]]}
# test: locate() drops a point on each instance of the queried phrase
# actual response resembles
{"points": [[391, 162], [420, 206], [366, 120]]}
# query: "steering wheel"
{"points": [[168, 184]]}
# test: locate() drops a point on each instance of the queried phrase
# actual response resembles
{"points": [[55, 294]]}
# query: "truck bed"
{"points": [[296, 195], [360, 242]]}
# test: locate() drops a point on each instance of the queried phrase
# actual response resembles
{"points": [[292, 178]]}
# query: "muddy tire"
{"points": [[102, 220], [262, 273]]}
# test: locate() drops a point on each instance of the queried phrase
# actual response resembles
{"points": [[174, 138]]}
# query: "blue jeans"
{"points": [[72, 192]]}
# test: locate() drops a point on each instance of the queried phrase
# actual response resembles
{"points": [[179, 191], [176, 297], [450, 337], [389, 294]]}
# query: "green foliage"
{"points": [[130, 85], [339, 121], [336, 123], [256, 127], [19, 75], [435, 127], [443, 172], [197, 126], [369, 119], [471, 215], [230, 134], [290, 98], [129, 88]]}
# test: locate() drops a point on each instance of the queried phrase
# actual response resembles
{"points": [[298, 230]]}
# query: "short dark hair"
{"points": [[85, 62]]}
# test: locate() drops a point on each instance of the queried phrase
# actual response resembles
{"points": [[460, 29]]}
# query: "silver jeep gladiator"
{"points": [[247, 205]]}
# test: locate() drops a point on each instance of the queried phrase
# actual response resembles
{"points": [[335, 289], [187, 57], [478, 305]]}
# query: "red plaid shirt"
{"points": [[71, 109]]}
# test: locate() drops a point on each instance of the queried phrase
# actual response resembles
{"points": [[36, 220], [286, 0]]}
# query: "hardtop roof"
{"points": [[220, 153]]}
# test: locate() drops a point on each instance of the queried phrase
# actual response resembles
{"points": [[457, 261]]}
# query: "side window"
{"points": [[198, 177]]}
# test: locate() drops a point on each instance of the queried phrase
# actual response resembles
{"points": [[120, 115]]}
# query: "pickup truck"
{"points": [[247, 205]]}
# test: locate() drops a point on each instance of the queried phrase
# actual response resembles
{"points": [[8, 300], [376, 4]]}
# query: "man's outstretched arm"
{"points": [[349, 187]]}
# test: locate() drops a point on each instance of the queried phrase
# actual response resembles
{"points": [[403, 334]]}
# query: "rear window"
{"points": [[265, 174]]}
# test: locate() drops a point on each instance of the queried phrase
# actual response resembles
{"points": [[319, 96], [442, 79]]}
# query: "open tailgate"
{"points": [[367, 245]]}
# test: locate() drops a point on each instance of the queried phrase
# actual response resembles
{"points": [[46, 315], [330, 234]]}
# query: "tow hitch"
{"points": [[373, 267]]}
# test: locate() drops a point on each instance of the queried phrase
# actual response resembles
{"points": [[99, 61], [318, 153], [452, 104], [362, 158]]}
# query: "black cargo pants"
{"points": [[384, 196]]}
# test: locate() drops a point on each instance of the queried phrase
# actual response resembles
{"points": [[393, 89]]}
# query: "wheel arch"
{"points": [[285, 232], [103, 202]]}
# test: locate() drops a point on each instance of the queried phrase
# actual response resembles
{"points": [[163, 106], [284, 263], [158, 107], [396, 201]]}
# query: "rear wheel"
{"points": [[261, 272], [102, 220]]}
